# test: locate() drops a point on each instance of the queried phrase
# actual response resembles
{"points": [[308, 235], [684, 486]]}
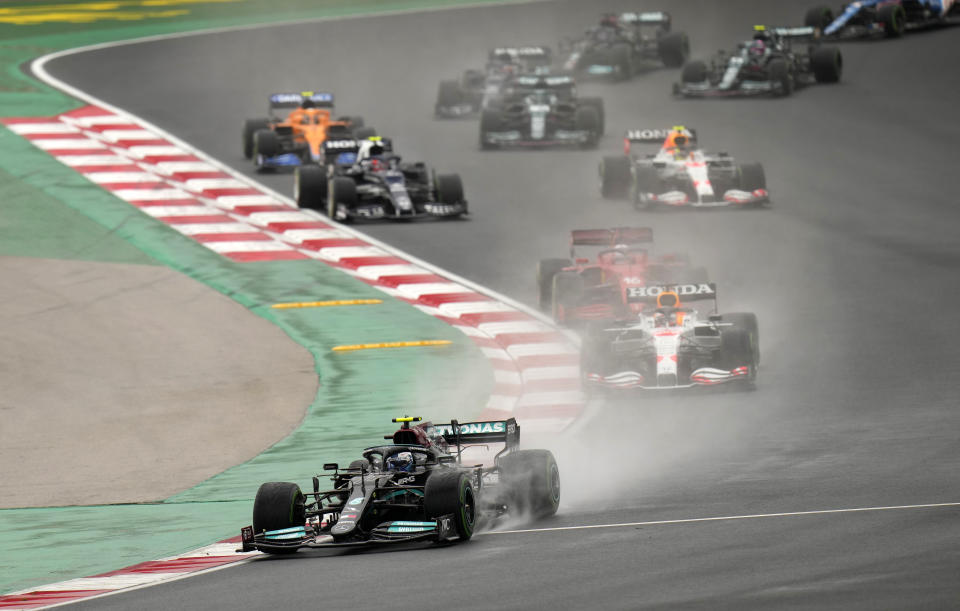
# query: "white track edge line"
{"points": [[785, 514]]}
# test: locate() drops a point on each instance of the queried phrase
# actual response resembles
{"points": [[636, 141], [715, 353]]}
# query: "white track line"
{"points": [[787, 514]]}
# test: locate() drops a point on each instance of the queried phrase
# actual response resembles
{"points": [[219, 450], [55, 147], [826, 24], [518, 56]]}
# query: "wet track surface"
{"points": [[852, 273]]}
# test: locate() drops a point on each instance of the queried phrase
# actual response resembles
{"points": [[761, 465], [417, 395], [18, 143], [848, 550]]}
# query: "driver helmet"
{"points": [[758, 48], [609, 20], [401, 461], [679, 141], [375, 164]]}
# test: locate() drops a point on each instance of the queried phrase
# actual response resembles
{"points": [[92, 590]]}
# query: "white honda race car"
{"points": [[679, 174], [671, 345]]}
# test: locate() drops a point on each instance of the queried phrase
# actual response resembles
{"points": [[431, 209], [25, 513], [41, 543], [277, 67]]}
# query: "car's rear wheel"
{"points": [[566, 292], [531, 481], [448, 95], [250, 127], [818, 17], [546, 270], [266, 143], [614, 176], [278, 505], [894, 18], [450, 492], [588, 119]]}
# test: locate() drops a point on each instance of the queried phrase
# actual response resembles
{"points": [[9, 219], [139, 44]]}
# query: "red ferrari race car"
{"points": [[578, 289]]}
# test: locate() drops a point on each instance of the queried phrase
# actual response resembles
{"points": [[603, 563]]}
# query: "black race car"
{"points": [[416, 488], [623, 45], [540, 111], [366, 180], [881, 18], [475, 89], [774, 62]]}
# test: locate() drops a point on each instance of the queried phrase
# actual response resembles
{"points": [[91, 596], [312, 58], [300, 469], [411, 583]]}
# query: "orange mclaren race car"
{"points": [[297, 138]]}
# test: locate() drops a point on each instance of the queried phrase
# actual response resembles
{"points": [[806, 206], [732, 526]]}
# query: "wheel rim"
{"points": [[554, 483]]}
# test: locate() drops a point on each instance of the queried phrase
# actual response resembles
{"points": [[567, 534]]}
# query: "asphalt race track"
{"points": [[852, 272]]}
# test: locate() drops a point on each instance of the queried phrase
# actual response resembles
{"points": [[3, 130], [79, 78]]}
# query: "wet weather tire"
{"points": [[827, 64], [780, 73], [531, 481], [752, 177], [278, 505], [893, 18], [674, 49], [250, 127], [588, 119], [449, 189], [266, 143], [310, 186], [565, 294], [694, 72], [546, 270], [818, 17], [451, 492], [614, 177]]}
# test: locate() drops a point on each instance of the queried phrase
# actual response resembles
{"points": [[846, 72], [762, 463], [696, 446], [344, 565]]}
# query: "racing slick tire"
{"points": [[892, 17], [779, 72], [694, 72], [449, 491], [448, 94], [310, 186], [621, 58], [449, 189], [566, 290], [752, 177], [278, 505], [588, 119], [597, 103], [546, 270], [490, 121], [266, 143], [644, 180], [364, 132], [614, 177], [343, 191], [531, 482], [250, 127], [818, 17], [673, 49], [827, 64]]}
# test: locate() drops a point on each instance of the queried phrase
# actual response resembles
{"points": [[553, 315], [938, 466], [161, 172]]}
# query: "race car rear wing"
{"points": [[335, 146], [506, 432], [294, 100], [610, 237], [514, 53], [685, 292], [646, 18]]}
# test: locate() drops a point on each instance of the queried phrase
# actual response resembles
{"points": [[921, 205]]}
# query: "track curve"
{"points": [[849, 272]]}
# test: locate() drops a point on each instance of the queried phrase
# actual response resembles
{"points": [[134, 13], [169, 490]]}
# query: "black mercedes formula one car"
{"points": [[622, 45], [541, 111], [881, 18], [475, 89], [366, 180], [776, 61], [416, 488]]}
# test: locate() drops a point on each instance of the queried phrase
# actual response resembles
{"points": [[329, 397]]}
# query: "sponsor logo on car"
{"points": [[679, 289]]}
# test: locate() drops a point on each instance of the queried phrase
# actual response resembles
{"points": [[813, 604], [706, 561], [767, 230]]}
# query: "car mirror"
{"points": [[330, 466]]}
